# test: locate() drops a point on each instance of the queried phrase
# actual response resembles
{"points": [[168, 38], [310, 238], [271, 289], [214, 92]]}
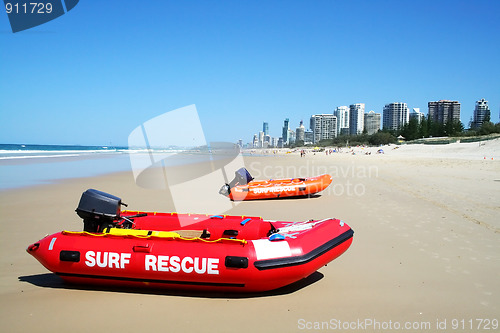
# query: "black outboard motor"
{"points": [[99, 210], [241, 177]]}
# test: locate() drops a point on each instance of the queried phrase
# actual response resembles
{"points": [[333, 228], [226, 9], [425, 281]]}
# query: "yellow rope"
{"points": [[66, 232], [242, 241], [173, 237]]}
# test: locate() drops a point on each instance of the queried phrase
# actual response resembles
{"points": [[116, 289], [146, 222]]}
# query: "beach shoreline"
{"points": [[426, 248]]}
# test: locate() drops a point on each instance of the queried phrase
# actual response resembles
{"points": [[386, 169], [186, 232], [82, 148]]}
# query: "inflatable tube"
{"points": [[279, 188], [216, 253]]}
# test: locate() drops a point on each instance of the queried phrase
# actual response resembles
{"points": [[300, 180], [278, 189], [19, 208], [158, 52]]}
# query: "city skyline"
{"points": [[396, 114], [99, 71]]}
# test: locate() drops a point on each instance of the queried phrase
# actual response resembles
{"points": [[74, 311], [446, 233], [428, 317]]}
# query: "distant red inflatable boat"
{"points": [[243, 187], [217, 253]]}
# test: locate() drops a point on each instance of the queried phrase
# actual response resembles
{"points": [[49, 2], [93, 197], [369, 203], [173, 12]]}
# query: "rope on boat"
{"points": [[173, 237]]}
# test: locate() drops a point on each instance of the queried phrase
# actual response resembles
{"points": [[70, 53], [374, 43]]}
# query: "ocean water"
{"points": [[31, 151], [27, 165], [23, 165]]}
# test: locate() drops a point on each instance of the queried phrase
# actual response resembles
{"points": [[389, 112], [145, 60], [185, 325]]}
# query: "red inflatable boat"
{"points": [[243, 187], [217, 253]]}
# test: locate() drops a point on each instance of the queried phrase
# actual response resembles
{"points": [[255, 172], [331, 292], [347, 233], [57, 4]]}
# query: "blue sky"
{"points": [[99, 71]]}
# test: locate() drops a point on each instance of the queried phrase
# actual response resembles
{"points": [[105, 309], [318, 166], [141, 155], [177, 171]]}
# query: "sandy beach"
{"points": [[425, 255]]}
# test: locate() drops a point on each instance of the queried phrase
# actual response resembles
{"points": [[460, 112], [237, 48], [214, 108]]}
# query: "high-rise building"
{"points": [[286, 127], [395, 115], [342, 114], [255, 141], [481, 111], [291, 136], [416, 114], [443, 111], [274, 142], [324, 126], [265, 128], [308, 137], [261, 139], [356, 118], [372, 122], [300, 132], [280, 143]]}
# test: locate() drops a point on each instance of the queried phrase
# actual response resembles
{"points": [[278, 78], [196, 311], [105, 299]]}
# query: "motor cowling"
{"points": [[98, 210]]}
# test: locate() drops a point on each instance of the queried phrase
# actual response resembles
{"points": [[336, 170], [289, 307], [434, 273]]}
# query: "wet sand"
{"points": [[426, 250]]}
